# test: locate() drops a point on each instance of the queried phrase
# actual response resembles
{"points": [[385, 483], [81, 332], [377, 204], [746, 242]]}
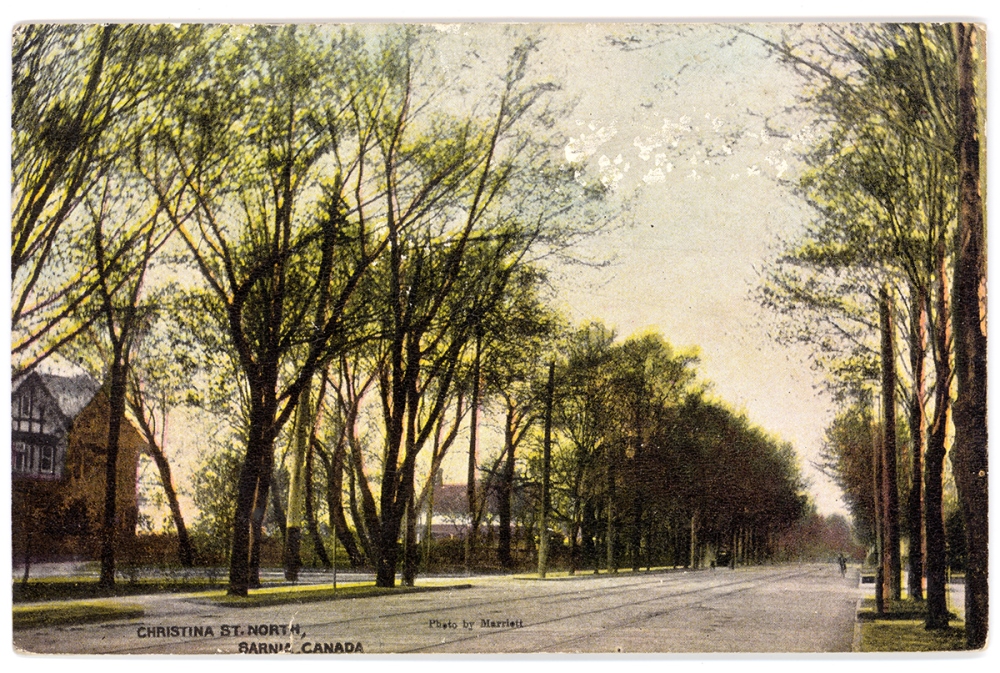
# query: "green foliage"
{"points": [[881, 183], [638, 439], [848, 458], [910, 635], [84, 98], [214, 494], [79, 612]]}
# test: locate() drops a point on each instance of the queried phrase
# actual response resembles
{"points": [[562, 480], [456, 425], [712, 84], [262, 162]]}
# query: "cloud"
{"points": [[655, 175], [584, 146]]}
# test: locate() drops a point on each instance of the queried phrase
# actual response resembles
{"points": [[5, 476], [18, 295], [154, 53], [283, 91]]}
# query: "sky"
{"points": [[672, 120], [707, 220]]}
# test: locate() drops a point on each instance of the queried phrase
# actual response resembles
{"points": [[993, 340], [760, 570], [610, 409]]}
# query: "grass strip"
{"points": [[62, 589], [909, 635], [900, 628], [77, 612], [289, 595]]}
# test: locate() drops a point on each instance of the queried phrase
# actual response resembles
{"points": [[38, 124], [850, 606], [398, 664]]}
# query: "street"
{"points": [[783, 608]]}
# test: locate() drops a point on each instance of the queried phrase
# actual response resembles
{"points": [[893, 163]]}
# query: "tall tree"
{"points": [[546, 492], [891, 91], [890, 484], [464, 212], [519, 333], [157, 377], [969, 457], [937, 604], [914, 503], [273, 237]]}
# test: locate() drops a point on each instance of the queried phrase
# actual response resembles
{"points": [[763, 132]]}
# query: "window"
{"points": [[33, 459], [46, 460], [28, 411], [19, 457]]}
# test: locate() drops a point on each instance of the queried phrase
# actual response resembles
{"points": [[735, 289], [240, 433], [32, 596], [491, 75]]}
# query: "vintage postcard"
{"points": [[498, 338]]}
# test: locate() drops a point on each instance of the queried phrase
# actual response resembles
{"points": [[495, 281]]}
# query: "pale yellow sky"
{"points": [[676, 124]]}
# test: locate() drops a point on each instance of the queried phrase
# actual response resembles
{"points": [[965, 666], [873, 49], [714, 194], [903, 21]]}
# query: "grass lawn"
{"points": [[901, 629], [909, 635], [77, 612], [309, 594], [70, 588]]}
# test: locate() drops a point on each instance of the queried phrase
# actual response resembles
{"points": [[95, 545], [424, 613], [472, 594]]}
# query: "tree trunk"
{"points": [[257, 523], [470, 487], [429, 525], [574, 531], [937, 608], [116, 413], [506, 493], [543, 527], [609, 538], [333, 463], [969, 457], [635, 530], [185, 550], [260, 442], [296, 490], [411, 555], [889, 480], [693, 553], [364, 537], [918, 353], [279, 513], [879, 497], [385, 566], [588, 533], [317, 539]]}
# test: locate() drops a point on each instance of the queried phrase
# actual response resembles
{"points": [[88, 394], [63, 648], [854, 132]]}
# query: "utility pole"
{"points": [[470, 489]]}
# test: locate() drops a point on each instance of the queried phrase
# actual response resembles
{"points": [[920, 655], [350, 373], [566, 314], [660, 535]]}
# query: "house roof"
{"points": [[69, 384], [72, 394], [452, 499]]}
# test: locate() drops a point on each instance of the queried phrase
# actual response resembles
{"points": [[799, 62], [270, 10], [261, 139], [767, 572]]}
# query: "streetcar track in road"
{"points": [[561, 595], [566, 596], [553, 598], [751, 582]]}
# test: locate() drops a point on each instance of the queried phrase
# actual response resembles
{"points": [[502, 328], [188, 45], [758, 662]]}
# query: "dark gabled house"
{"points": [[59, 427]]}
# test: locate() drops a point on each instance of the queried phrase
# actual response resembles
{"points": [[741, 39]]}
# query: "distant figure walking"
{"points": [[842, 560]]}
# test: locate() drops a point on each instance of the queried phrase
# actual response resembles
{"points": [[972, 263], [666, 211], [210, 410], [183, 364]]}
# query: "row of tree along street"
{"points": [[891, 275], [297, 230]]}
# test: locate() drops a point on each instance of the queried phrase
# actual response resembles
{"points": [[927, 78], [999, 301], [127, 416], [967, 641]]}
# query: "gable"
{"points": [[35, 411], [90, 428]]}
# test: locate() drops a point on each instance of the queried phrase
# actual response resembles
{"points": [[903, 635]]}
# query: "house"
{"points": [[450, 517], [59, 428]]}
